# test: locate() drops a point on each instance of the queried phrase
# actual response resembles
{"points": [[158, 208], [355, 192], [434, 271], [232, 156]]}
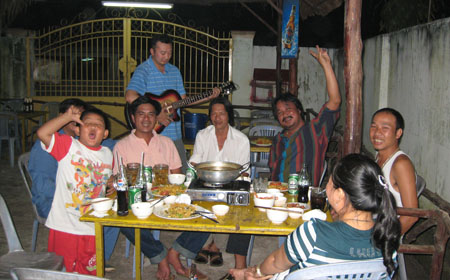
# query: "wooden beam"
{"points": [[278, 66], [353, 76], [258, 17], [279, 11]]}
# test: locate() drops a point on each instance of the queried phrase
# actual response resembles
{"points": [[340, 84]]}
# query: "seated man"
{"points": [[42, 167], [221, 142], [386, 132], [302, 142], [158, 149]]}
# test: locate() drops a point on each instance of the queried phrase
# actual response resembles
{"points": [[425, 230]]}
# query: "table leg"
{"points": [[99, 250], [137, 252]]}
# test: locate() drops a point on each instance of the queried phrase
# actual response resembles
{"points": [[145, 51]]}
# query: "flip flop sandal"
{"points": [[215, 259], [202, 257]]}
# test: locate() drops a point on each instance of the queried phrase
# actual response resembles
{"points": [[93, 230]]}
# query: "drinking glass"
{"points": [[132, 172], [161, 172], [318, 199]]}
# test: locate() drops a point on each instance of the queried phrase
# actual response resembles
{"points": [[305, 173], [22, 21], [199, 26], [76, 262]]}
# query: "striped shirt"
{"points": [[319, 242], [308, 144], [147, 78]]}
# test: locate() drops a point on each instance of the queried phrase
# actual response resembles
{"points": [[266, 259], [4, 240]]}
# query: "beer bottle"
{"points": [[141, 184], [193, 272], [122, 189]]}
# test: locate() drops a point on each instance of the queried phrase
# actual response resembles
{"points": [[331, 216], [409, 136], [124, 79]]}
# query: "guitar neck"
{"points": [[189, 100]]}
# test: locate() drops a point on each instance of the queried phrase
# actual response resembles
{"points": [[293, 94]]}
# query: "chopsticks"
{"points": [[158, 201], [203, 215], [93, 202], [281, 209]]}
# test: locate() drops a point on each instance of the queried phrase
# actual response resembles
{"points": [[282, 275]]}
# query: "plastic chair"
{"points": [[420, 187], [367, 269], [17, 257], [261, 114], [23, 167], [33, 274], [156, 234], [259, 161], [9, 130], [263, 122]]}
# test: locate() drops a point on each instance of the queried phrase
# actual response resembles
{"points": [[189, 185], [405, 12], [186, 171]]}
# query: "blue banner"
{"points": [[289, 36]]}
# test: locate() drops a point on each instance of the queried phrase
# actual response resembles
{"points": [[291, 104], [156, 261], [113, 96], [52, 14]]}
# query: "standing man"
{"points": [[42, 167], [302, 142], [386, 132], [156, 75], [158, 149]]}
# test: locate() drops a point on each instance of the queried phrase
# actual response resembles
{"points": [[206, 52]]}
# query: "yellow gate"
{"points": [[95, 59]]}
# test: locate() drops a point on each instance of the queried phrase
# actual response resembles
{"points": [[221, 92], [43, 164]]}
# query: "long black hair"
{"points": [[365, 187], [228, 107], [287, 97]]}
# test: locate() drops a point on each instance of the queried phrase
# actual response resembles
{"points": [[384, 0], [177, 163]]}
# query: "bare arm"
{"points": [[46, 131], [404, 177], [332, 85], [175, 171], [131, 95]]}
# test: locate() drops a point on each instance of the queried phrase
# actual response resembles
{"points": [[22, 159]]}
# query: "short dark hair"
{"points": [[163, 38], [287, 97], [65, 105], [399, 121], [96, 111], [228, 107], [144, 99], [363, 183]]}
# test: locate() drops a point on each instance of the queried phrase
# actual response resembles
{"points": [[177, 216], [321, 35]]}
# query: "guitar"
{"points": [[171, 100]]}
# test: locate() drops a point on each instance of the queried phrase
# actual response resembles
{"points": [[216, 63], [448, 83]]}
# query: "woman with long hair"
{"points": [[356, 191]]}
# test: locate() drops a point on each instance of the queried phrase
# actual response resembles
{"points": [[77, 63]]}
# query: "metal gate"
{"points": [[96, 58]]}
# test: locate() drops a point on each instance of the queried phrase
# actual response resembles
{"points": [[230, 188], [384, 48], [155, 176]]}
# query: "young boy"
{"points": [[83, 169]]}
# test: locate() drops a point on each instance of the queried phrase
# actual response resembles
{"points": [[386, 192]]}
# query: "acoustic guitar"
{"points": [[171, 100]]}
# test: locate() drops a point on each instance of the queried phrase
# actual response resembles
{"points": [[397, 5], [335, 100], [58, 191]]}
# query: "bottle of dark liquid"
{"points": [[193, 272], [141, 183], [303, 184], [122, 191]]}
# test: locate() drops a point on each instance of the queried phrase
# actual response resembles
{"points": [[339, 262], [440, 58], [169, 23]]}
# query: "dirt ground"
{"points": [[12, 189]]}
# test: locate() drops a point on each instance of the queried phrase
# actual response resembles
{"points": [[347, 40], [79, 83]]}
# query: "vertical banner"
{"points": [[289, 36]]}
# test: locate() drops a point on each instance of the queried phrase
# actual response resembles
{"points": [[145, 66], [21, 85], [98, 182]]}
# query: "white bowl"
{"points": [[295, 206], [177, 179], [142, 209], [273, 191], [220, 209], [170, 199], [263, 199], [103, 206], [276, 216], [280, 201], [183, 198]]}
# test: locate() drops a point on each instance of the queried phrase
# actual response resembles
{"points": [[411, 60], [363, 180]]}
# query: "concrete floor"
{"points": [[19, 205]]}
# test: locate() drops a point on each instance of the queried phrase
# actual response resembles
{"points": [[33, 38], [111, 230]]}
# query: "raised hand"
{"points": [[321, 56], [74, 114]]}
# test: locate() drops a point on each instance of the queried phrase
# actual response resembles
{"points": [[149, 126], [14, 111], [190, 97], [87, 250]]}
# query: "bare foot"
{"points": [[213, 248], [173, 257], [163, 270]]}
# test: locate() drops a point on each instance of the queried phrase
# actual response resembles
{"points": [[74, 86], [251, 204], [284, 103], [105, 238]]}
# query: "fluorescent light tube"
{"points": [[137, 4]]}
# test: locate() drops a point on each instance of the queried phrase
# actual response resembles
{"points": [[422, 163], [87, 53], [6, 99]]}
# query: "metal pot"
{"points": [[219, 172]]}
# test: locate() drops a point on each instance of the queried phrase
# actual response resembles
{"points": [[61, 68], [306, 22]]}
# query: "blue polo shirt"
{"points": [[147, 78]]}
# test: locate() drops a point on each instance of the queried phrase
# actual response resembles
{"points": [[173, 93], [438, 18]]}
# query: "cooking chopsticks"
{"points": [[203, 215], [93, 202]]}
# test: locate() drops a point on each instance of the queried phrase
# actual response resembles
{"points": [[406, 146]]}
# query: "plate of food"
{"points": [[168, 190], [262, 142], [304, 206], [178, 211], [283, 187]]}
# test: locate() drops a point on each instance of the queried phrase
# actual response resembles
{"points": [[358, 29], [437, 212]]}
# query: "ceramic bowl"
{"points": [[273, 191], [177, 179], [170, 199], [220, 209], [280, 201], [276, 216], [264, 199], [296, 207], [142, 209], [103, 206]]}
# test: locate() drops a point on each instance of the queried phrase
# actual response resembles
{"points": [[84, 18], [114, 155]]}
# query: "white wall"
{"points": [[409, 70]]}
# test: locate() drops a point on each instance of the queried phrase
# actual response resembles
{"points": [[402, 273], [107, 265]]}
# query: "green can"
{"points": [[134, 196], [293, 184], [148, 174], [190, 175]]}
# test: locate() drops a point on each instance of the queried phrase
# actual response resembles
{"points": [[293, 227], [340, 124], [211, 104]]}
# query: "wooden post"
{"points": [[293, 87], [353, 76], [278, 66]]}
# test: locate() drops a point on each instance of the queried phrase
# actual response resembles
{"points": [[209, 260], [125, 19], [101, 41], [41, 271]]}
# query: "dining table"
{"points": [[239, 219]]}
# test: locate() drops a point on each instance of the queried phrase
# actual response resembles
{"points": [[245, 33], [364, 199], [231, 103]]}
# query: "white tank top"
{"points": [[387, 172]]}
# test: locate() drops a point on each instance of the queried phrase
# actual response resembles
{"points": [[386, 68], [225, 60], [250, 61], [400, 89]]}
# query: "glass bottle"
{"points": [[121, 186], [141, 183], [304, 182]]}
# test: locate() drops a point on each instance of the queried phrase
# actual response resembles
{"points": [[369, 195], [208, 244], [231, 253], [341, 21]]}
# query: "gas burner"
{"points": [[211, 185], [233, 193]]}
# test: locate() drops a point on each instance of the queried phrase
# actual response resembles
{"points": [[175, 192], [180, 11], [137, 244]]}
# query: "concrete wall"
{"points": [[409, 70], [13, 67]]}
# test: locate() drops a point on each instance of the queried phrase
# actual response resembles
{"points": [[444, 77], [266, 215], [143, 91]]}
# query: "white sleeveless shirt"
{"points": [[387, 172]]}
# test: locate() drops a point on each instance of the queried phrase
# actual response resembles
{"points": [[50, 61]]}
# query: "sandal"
{"points": [[215, 259], [202, 257]]}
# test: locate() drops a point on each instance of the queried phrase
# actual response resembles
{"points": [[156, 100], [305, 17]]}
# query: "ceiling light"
{"points": [[137, 4]]}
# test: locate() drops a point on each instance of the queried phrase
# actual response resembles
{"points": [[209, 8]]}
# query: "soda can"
{"points": [[134, 196], [293, 183], [191, 175], [148, 174]]}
